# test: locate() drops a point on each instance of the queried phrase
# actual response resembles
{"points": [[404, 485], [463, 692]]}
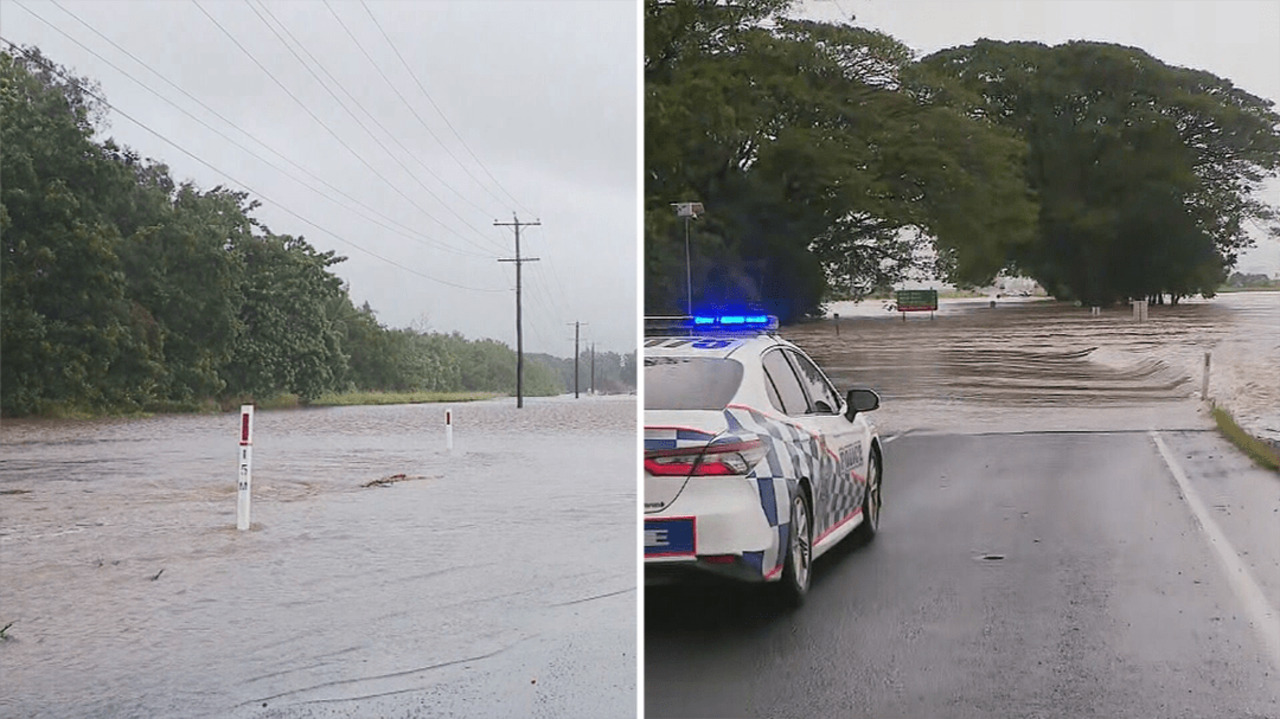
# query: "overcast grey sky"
{"points": [[528, 107], [1235, 39]]}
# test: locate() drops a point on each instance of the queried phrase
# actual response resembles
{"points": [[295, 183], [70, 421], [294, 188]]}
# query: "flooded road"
{"points": [[1063, 533], [1055, 366], [498, 580]]}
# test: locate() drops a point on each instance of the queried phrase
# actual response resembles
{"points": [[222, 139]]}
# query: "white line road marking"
{"points": [[1262, 615]]}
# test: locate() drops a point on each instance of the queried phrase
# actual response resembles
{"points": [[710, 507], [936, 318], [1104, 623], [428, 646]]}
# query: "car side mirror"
{"points": [[861, 400]]}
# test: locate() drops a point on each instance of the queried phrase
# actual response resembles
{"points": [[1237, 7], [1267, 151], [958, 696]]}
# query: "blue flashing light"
{"points": [[736, 322]]}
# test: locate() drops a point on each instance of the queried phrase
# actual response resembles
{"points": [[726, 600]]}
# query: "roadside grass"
{"points": [[1261, 452], [347, 399], [280, 401]]}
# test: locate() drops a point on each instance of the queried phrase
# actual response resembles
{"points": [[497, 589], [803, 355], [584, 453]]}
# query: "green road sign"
{"points": [[917, 300]]}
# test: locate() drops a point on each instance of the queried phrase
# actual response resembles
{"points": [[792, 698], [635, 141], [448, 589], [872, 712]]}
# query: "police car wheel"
{"points": [[872, 500], [799, 559]]}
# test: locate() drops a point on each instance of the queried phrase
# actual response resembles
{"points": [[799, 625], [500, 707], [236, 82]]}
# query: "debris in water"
{"points": [[157, 576], [392, 479]]}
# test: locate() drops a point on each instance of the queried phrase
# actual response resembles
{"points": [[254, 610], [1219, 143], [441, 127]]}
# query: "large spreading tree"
{"points": [[818, 164], [1148, 175]]}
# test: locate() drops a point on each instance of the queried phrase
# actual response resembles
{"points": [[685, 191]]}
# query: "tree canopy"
{"points": [[123, 289], [831, 163], [817, 163], [1147, 174]]}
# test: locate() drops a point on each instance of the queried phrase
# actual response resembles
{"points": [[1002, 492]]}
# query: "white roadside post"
{"points": [[448, 428], [1204, 386], [246, 471]]}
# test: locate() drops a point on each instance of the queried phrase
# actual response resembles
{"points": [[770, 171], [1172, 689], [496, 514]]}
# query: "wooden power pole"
{"points": [[517, 224]]}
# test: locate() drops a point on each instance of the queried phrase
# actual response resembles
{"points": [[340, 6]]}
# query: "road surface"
{"points": [[1017, 574]]}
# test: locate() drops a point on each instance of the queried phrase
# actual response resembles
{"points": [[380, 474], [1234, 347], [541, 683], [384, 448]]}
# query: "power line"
{"points": [[322, 123], [394, 157], [195, 157], [396, 90], [441, 114], [319, 64], [555, 276], [403, 230]]}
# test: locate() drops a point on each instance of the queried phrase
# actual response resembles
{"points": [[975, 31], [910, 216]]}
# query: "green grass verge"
{"points": [[347, 399], [1261, 452]]}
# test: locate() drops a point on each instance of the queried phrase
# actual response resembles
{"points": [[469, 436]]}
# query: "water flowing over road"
{"points": [[497, 580], [1049, 360]]}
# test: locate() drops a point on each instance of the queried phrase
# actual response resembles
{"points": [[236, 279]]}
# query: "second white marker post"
{"points": [[448, 428]]}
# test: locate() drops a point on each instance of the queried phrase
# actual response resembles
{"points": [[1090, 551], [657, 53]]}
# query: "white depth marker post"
{"points": [[1204, 387], [246, 471], [448, 428]]}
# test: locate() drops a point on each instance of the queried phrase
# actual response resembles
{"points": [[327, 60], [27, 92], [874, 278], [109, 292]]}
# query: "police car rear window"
{"points": [[690, 382]]}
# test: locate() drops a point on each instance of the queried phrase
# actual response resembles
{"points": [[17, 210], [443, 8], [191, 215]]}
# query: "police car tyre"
{"points": [[798, 567], [872, 500]]}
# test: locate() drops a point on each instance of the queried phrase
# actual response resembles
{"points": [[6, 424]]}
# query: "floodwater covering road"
{"points": [[494, 581], [1063, 535]]}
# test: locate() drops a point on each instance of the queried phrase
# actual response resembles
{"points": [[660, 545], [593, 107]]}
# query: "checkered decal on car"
{"points": [[795, 453], [674, 438]]}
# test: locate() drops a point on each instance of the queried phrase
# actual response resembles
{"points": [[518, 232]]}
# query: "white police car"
{"points": [[754, 464]]}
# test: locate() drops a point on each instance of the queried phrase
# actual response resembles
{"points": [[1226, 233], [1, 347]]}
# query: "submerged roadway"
{"points": [[1017, 574]]}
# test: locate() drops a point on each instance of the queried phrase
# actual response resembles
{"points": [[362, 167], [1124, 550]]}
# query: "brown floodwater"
{"points": [[496, 580], [1054, 365]]}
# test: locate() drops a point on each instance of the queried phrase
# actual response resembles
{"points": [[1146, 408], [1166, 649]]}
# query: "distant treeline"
{"points": [[831, 161], [122, 289], [1244, 280]]}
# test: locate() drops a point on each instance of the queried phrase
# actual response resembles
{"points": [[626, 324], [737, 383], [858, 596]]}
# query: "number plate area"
{"points": [[670, 537]]}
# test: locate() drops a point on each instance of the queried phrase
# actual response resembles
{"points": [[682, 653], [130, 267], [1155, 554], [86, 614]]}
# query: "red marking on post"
{"points": [[448, 416], [244, 428]]}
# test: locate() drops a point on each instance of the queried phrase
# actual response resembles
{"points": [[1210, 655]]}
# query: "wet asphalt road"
{"points": [[1016, 575]]}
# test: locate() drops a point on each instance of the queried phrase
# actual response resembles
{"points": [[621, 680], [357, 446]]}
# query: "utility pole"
{"points": [[593, 368], [577, 327], [517, 224]]}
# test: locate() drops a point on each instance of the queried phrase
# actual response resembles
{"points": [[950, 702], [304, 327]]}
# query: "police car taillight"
{"points": [[729, 459]]}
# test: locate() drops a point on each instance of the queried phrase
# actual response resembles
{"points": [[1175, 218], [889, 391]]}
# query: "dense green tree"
{"points": [[122, 289], [816, 161], [70, 335], [288, 341], [181, 266], [1147, 174]]}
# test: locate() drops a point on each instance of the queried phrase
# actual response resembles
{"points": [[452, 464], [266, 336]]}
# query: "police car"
{"points": [[754, 464]]}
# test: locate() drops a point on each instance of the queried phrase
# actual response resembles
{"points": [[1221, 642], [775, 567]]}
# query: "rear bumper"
{"points": [[700, 571], [732, 537]]}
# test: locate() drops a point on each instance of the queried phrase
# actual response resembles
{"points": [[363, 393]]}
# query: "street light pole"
{"points": [[689, 211]]}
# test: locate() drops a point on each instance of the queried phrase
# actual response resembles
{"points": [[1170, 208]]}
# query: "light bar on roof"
{"points": [[736, 322], [746, 323]]}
